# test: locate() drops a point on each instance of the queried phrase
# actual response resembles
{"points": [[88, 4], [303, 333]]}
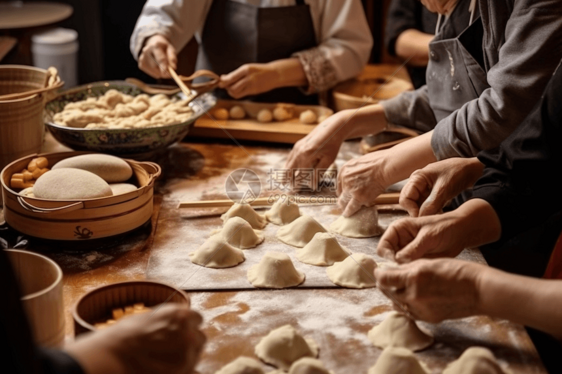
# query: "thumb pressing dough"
{"points": [[308, 365], [396, 360], [242, 365], [283, 346], [397, 330], [110, 168], [475, 360], [237, 232], [283, 212], [356, 271], [70, 184], [217, 254], [275, 270], [363, 224], [299, 232], [322, 250], [248, 213]]}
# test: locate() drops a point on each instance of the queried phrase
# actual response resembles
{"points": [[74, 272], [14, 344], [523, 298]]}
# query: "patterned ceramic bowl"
{"points": [[131, 143]]}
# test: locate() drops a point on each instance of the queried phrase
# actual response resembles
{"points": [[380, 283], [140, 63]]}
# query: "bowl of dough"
{"points": [[117, 118], [77, 196]]}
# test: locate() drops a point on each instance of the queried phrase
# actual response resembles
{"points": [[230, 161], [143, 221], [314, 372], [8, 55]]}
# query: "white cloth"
{"points": [[342, 33]]}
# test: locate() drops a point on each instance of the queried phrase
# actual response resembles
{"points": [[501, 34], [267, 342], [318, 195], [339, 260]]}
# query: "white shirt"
{"points": [[342, 33]]}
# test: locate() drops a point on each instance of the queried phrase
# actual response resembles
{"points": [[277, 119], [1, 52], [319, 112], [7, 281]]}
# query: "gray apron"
{"points": [[236, 34], [455, 72]]}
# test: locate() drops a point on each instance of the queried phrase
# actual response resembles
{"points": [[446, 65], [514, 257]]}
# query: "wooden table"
{"points": [[338, 319]]}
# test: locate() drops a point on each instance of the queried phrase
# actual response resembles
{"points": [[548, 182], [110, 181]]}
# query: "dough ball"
{"points": [[397, 330], [395, 360], [264, 116], [283, 212], [363, 224], [239, 233], [322, 250], [299, 232], [356, 271], [70, 184], [27, 192], [237, 112], [242, 365], [120, 188], [246, 212], [308, 116], [475, 360], [275, 270], [110, 168], [221, 114], [308, 365], [285, 345], [282, 113], [217, 254]]}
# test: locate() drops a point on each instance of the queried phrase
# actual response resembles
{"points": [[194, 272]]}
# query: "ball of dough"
{"points": [[264, 116], [110, 168], [221, 114], [69, 184], [120, 188], [308, 116], [281, 113], [28, 192], [395, 360], [216, 253], [237, 112], [308, 365]]}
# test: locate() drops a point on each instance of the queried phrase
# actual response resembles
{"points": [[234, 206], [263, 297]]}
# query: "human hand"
{"points": [[429, 189], [250, 79], [439, 6], [156, 55], [432, 290], [167, 340]]}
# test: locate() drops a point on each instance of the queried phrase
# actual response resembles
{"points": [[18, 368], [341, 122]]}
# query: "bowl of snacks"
{"points": [[117, 118]]}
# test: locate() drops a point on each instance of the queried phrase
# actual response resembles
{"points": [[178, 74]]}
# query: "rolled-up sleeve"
{"points": [[410, 109]]}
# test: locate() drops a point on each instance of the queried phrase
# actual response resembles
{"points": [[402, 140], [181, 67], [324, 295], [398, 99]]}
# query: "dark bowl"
{"points": [[130, 143]]}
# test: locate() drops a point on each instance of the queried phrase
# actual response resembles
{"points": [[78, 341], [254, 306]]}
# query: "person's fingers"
{"points": [[148, 65], [172, 57], [239, 89], [388, 243], [391, 278], [352, 207], [161, 61], [413, 250], [324, 163], [233, 77], [435, 201]]}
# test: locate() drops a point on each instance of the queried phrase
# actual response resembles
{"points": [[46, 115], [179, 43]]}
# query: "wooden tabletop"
{"points": [[19, 14]]}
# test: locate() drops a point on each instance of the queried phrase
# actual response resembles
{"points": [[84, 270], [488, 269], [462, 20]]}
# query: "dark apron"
{"points": [[236, 34], [455, 73]]}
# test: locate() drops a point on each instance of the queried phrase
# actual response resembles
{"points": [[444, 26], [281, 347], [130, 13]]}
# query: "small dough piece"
{"points": [[239, 233], [308, 117], [283, 113], [217, 254], [264, 116], [299, 232], [356, 271], [120, 188], [110, 168], [248, 213], [397, 330], [475, 360], [283, 212], [237, 112], [275, 270], [322, 250], [308, 365], [283, 346], [363, 224], [221, 114], [28, 192], [242, 365], [396, 360], [70, 184]]}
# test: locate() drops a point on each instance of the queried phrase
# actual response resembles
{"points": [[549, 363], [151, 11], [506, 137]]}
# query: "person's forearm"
{"points": [[532, 302], [481, 223], [290, 72], [414, 45]]}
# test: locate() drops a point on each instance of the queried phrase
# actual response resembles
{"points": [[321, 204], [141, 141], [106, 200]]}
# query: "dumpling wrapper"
{"points": [[217, 254], [246, 212], [299, 232], [397, 330], [475, 360], [275, 270], [285, 345], [282, 212], [363, 224], [239, 233], [356, 271], [322, 250], [242, 365], [396, 360]]}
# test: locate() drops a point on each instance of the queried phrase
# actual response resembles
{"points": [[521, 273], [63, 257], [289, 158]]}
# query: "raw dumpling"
{"points": [[283, 112], [248, 213], [308, 365], [70, 184], [356, 271], [299, 232], [237, 112], [110, 168], [264, 116], [217, 254], [395, 360], [363, 224], [283, 346], [119, 188], [275, 270], [283, 212], [475, 360], [308, 116], [239, 233], [397, 330], [322, 250], [221, 114], [242, 365]]}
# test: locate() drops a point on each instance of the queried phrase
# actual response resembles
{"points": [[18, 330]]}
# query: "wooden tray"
{"points": [[250, 129]]}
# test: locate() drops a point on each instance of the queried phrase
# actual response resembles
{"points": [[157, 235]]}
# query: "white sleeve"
{"points": [[177, 20], [344, 45]]}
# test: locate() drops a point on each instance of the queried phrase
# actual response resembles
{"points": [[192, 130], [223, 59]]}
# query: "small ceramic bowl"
{"points": [[97, 305]]}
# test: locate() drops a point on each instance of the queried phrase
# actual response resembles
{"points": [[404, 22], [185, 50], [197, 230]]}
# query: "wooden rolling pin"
{"points": [[386, 198]]}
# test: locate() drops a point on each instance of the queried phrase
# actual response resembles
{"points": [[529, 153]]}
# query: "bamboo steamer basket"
{"points": [[79, 220]]}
